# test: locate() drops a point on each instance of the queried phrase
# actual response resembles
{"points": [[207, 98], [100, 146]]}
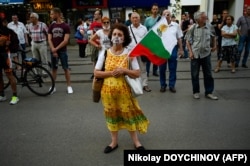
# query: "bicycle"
{"points": [[33, 75]]}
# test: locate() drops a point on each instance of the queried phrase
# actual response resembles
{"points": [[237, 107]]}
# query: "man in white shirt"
{"points": [[172, 62], [21, 32], [137, 32]]}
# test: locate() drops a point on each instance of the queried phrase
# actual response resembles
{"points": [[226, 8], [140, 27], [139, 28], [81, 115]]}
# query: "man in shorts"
{"points": [[7, 40], [58, 38]]}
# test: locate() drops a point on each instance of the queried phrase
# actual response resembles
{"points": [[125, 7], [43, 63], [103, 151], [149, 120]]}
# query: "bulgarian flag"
{"points": [[157, 44]]}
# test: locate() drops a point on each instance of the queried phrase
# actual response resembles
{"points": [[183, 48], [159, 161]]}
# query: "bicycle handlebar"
{"points": [[23, 51]]}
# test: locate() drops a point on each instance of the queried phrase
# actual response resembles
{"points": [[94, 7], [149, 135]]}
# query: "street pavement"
{"points": [[69, 130]]}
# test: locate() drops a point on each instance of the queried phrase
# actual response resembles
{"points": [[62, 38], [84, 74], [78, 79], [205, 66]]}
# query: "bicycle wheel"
{"points": [[39, 80], [47, 65]]}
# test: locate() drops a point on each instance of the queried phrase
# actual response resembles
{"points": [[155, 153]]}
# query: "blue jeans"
{"points": [[155, 68], [172, 67], [23, 53], [243, 42], [205, 63]]}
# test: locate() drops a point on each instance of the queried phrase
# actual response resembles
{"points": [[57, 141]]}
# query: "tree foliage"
{"points": [[176, 7]]}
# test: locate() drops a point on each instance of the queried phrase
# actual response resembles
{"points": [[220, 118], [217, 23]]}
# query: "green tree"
{"points": [[176, 7]]}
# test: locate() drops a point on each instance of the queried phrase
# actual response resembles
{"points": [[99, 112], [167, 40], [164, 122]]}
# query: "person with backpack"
{"points": [[198, 43], [8, 41]]}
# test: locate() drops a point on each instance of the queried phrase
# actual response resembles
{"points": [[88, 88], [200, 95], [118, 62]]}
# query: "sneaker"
{"points": [[196, 96], [14, 100], [54, 90], [2, 98], [211, 96], [70, 90]]}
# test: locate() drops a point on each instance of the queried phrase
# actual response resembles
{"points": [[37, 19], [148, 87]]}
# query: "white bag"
{"points": [[135, 85]]}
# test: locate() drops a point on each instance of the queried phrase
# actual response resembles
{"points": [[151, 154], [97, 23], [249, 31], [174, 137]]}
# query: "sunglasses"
{"points": [[105, 22]]}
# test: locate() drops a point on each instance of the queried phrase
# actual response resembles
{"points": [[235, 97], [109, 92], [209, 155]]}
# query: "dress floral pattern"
{"points": [[121, 109]]}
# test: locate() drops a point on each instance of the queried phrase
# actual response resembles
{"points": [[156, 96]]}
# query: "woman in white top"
{"points": [[100, 38], [229, 49]]}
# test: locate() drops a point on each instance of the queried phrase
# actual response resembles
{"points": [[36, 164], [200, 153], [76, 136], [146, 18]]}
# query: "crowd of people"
{"points": [[14, 36], [109, 46]]}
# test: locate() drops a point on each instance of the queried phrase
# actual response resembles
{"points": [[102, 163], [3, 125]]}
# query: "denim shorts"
{"points": [[63, 56]]}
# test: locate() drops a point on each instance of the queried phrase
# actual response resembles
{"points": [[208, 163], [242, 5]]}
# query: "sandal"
{"points": [[216, 70]]}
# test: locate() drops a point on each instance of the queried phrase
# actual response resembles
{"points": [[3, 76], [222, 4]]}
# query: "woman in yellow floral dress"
{"points": [[121, 109]]}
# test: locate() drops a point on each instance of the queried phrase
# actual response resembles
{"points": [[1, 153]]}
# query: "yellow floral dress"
{"points": [[121, 109]]}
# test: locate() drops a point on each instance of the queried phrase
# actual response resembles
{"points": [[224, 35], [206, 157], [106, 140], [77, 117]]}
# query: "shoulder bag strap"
{"points": [[41, 33], [246, 22], [133, 34], [105, 56]]}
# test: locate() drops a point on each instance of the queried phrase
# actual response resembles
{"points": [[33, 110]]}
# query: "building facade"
{"points": [[235, 7], [116, 8]]}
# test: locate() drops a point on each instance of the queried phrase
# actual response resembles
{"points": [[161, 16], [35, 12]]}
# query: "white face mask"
{"points": [[116, 40], [106, 28]]}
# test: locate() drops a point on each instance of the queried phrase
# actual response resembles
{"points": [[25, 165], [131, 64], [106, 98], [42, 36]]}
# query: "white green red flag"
{"points": [[157, 44]]}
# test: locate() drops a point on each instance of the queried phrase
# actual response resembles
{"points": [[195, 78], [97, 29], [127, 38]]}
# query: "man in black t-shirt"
{"points": [[184, 27], [216, 23]]}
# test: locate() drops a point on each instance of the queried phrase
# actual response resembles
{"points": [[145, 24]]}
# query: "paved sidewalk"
{"points": [[82, 69]]}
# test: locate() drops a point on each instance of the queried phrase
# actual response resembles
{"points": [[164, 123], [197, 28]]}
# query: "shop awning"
{"points": [[137, 3], [11, 1]]}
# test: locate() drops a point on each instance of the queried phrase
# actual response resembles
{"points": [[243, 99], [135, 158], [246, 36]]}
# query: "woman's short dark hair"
{"points": [[232, 18], [79, 22], [124, 29]]}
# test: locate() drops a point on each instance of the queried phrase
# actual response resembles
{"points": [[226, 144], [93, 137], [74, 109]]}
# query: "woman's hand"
{"points": [[118, 72]]}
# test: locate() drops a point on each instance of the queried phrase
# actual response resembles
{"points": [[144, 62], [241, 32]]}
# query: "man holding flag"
{"points": [[160, 44], [175, 33]]}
